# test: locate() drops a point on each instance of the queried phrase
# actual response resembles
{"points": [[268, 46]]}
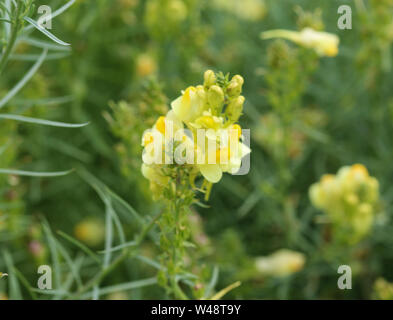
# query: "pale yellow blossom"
{"points": [[324, 43]]}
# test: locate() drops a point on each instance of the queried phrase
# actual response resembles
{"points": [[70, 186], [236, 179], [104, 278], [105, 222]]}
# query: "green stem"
{"points": [[14, 32], [178, 210], [177, 290]]}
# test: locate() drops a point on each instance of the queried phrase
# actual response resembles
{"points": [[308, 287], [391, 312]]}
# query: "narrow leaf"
{"points": [[24, 80], [34, 174], [80, 245], [45, 32], [44, 122]]}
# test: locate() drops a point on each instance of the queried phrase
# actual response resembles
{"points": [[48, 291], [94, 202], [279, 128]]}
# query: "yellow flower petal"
{"points": [[211, 172]]}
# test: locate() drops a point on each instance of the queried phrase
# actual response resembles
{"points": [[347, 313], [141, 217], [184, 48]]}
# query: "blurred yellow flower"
{"points": [[383, 289], [350, 199], [281, 263], [145, 65], [324, 43], [90, 231]]}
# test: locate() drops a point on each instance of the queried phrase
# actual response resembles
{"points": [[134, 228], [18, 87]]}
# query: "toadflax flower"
{"points": [[280, 263], [200, 132], [324, 43], [350, 199]]}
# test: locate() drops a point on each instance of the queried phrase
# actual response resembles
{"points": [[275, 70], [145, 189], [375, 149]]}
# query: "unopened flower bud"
{"points": [[239, 79], [234, 88], [210, 78], [201, 93], [235, 108], [215, 96]]}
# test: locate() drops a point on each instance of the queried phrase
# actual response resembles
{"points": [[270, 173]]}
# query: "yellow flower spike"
{"points": [[200, 107], [160, 124]]}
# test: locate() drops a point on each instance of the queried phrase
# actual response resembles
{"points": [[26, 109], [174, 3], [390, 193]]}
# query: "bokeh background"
{"points": [[308, 116]]}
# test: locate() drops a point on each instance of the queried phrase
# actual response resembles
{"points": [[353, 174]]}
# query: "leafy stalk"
{"points": [[15, 27]]}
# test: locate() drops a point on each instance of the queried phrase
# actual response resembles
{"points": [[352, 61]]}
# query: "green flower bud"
{"points": [[210, 78], [235, 108], [215, 96]]}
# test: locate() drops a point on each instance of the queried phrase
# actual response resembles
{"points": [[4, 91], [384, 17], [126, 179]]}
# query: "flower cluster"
{"points": [[350, 199], [200, 133], [324, 43]]}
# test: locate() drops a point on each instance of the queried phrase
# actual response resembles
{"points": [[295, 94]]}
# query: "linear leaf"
{"points": [[33, 57], [15, 290], [80, 245], [123, 287], [24, 80], [45, 32], [44, 122], [34, 174], [122, 246], [57, 12], [43, 44]]}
